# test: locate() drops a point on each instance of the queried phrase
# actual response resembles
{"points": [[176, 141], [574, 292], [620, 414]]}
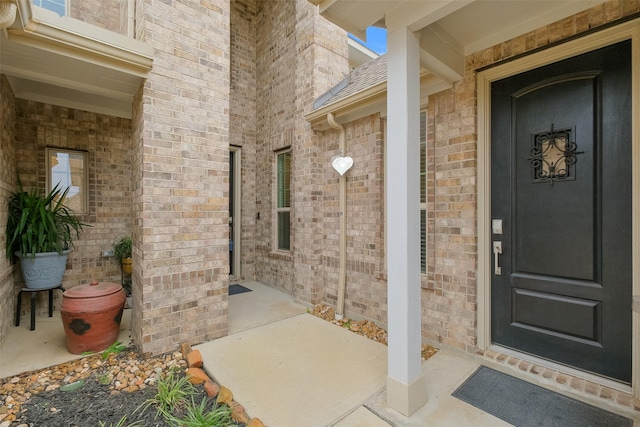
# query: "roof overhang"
{"points": [[67, 62], [449, 30], [369, 101], [359, 53]]}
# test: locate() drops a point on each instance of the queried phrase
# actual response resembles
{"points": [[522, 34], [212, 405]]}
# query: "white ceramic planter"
{"points": [[44, 271]]}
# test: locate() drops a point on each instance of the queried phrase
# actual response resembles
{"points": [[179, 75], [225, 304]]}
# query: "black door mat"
{"points": [[524, 404], [237, 289]]}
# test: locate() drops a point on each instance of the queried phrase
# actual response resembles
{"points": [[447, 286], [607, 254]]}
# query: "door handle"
{"points": [[497, 251]]}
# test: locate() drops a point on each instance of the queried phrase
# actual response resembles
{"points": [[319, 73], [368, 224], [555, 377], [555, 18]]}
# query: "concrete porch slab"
{"points": [[443, 373], [260, 306], [300, 371], [24, 350]]}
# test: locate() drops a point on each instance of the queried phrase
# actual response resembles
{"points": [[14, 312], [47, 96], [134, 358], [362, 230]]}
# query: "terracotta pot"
{"points": [[91, 315], [127, 265]]}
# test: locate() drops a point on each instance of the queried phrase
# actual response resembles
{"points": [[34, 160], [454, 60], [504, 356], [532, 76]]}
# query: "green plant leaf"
{"points": [[40, 223]]}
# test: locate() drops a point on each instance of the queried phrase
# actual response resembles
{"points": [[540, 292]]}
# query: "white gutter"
{"points": [[44, 29], [7, 13], [342, 280]]}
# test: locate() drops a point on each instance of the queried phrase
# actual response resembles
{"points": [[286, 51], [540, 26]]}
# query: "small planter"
{"points": [[91, 315], [127, 265], [43, 271]]}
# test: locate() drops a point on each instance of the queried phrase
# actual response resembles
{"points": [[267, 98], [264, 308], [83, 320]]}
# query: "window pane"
{"points": [[284, 230], [57, 6], [284, 180], [67, 169]]}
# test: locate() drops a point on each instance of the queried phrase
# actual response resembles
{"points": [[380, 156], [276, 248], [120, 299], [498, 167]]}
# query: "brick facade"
{"points": [[111, 15], [243, 123], [243, 77], [181, 198], [299, 57], [242, 74], [7, 186], [366, 289]]}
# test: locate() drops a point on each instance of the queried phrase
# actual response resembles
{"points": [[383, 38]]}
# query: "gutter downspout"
{"points": [[8, 14], [342, 281]]}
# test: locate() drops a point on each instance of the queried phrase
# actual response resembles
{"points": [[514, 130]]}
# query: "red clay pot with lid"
{"points": [[91, 315]]}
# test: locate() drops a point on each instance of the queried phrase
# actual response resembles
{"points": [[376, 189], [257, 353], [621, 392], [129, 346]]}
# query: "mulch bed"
{"points": [[88, 406], [113, 387]]}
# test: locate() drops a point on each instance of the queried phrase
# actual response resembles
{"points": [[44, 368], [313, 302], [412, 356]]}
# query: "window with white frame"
{"points": [[57, 6], [68, 169], [423, 191], [283, 196]]}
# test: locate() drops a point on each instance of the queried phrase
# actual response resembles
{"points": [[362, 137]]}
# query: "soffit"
{"points": [[63, 61], [465, 26], [448, 31]]}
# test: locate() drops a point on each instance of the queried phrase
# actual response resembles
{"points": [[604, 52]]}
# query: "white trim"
{"points": [[70, 37], [276, 209], [625, 31], [237, 210]]}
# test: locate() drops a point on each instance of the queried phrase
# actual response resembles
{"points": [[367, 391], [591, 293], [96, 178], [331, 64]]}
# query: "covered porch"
{"points": [[452, 44]]}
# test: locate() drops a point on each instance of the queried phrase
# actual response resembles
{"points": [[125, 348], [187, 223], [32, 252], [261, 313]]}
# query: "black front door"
{"points": [[561, 212]]}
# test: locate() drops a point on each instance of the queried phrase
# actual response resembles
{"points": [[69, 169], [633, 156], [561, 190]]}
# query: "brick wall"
{"points": [[243, 122], [7, 186], [299, 56], [106, 139], [182, 154], [322, 62], [108, 14], [449, 292], [137, 149], [366, 286], [275, 99]]}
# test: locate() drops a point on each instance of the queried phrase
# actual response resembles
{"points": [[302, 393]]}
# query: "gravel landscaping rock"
{"points": [[91, 390], [366, 328]]}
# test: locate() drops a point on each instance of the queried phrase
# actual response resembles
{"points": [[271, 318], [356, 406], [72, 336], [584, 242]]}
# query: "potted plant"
{"points": [[40, 232], [122, 248], [122, 251]]}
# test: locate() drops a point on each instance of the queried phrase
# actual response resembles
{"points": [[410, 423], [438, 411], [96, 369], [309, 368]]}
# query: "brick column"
{"points": [[7, 185], [180, 176]]}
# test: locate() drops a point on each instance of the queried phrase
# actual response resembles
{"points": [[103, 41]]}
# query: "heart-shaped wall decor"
{"points": [[342, 164]]}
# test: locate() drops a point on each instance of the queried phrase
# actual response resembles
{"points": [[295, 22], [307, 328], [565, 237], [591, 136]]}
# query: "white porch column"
{"points": [[406, 389]]}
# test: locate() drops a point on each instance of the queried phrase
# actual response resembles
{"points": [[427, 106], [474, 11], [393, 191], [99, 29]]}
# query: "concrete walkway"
{"points": [[292, 369], [298, 371], [304, 371]]}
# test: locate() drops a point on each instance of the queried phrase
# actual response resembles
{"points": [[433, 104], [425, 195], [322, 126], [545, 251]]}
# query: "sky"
{"points": [[376, 39]]}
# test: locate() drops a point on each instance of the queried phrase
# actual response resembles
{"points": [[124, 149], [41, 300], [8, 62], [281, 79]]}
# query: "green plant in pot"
{"points": [[122, 251], [40, 232]]}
